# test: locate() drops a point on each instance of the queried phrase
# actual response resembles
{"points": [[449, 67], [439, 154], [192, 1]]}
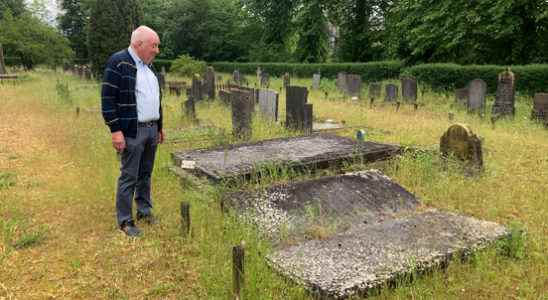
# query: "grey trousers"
{"points": [[137, 162]]}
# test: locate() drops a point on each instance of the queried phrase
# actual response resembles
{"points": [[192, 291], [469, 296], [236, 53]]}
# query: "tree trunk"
{"points": [[2, 63]]}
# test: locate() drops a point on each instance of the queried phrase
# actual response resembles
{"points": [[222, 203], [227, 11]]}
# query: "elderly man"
{"points": [[132, 110]]}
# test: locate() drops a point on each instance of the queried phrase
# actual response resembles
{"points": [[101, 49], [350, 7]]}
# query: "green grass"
{"points": [[58, 173]]}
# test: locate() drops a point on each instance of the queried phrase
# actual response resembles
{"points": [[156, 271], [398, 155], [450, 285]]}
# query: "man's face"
{"points": [[149, 48]]}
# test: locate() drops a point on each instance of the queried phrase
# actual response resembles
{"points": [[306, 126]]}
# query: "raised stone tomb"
{"points": [[374, 231], [315, 151]]}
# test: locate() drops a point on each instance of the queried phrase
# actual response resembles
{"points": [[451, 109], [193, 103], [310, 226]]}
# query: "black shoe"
{"points": [[129, 228], [150, 219]]}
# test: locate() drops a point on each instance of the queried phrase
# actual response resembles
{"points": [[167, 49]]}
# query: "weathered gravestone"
{"points": [[236, 77], [265, 79], [316, 81], [356, 232], [259, 72], [209, 83], [308, 118], [540, 107], [190, 109], [477, 89], [375, 90], [461, 96], [409, 88], [391, 93], [353, 85], [460, 142], [242, 113], [286, 80], [3, 69], [268, 105], [505, 97], [176, 87], [311, 152], [197, 88], [225, 96], [341, 82], [296, 97]]}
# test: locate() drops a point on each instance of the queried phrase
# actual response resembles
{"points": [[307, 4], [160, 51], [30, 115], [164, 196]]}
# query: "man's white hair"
{"points": [[141, 34]]}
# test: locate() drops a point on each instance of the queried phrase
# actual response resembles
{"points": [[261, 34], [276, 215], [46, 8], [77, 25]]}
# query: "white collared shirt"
{"points": [[147, 91]]}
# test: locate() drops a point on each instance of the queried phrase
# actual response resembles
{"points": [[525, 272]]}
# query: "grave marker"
{"points": [[409, 88], [460, 142], [391, 93], [265, 80], [353, 85], [268, 104], [286, 80], [505, 97], [477, 89], [540, 107], [209, 83], [3, 69], [308, 118], [197, 88], [242, 111], [461, 96], [259, 72], [341, 82], [296, 98], [375, 90], [316, 81], [236, 77], [190, 109]]}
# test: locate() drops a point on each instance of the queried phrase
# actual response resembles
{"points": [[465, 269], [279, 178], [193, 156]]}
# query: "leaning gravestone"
{"points": [[2, 62], [375, 90], [209, 83], [296, 98], [353, 85], [505, 97], [461, 96], [391, 93], [286, 80], [477, 89], [268, 105], [242, 112], [409, 88], [460, 142], [316, 81], [540, 107]]}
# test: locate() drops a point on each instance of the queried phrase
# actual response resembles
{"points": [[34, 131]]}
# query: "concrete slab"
{"points": [[344, 235], [315, 151]]}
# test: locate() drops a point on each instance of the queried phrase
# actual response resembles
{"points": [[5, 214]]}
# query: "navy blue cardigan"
{"points": [[119, 106]]}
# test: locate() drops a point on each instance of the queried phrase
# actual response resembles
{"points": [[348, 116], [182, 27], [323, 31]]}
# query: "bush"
{"points": [[530, 79], [372, 71], [159, 63], [185, 65]]}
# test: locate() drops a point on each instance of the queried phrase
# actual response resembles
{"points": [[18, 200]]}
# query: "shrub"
{"points": [[159, 63], [185, 65]]}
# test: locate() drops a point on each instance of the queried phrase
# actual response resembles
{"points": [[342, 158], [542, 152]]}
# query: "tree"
{"points": [[73, 25], [33, 41], [312, 24], [110, 26], [16, 7]]}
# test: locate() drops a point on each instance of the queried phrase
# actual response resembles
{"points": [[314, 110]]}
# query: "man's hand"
{"points": [[160, 136], [118, 141]]}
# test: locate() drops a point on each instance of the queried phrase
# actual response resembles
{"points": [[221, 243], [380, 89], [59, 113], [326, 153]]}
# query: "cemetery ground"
{"points": [[58, 237]]}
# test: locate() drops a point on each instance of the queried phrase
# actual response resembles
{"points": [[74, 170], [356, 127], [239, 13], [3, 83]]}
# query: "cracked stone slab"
{"points": [[314, 151], [385, 232]]}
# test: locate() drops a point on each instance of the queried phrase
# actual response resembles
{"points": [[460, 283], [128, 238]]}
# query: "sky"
{"points": [[51, 6]]}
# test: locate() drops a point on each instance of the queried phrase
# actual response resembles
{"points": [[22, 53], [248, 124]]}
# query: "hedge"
{"points": [[372, 71], [530, 79], [159, 63]]}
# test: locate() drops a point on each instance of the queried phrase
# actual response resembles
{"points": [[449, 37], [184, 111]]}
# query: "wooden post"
{"points": [[2, 62], [398, 106], [238, 256], [185, 218]]}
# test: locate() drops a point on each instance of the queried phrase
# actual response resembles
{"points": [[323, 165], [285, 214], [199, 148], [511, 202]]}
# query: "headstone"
{"points": [[391, 93], [505, 97], [477, 89], [375, 90], [286, 80], [308, 118], [3, 69], [189, 109], [225, 96], [296, 98], [259, 72], [87, 73], [161, 80], [341, 82], [409, 88], [236, 77], [540, 107], [242, 112], [268, 104], [353, 85], [461, 96], [316, 81], [209, 83], [460, 142], [176, 87], [265, 80], [197, 88]]}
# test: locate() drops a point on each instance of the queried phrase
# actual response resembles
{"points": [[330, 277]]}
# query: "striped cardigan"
{"points": [[118, 103]]}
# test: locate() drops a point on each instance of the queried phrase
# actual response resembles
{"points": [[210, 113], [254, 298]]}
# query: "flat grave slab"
{"points": [[374, 232], [315, 151]]}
